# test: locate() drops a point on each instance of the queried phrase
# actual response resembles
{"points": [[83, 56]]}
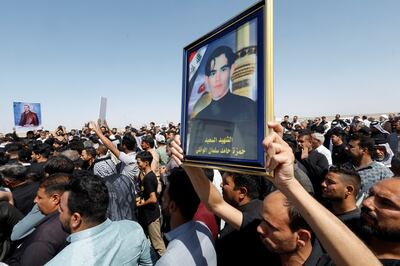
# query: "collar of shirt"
{"points": [[369, 166], [89, 232], [180, 230]]}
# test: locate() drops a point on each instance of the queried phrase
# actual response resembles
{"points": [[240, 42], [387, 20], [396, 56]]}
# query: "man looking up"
{"points": [[94, 239], [228, 115]]}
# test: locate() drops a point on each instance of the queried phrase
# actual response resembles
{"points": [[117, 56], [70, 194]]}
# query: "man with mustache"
{"points": [[380, 221]]}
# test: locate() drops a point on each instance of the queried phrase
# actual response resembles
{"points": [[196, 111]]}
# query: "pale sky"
{"points": [[331, 56]]}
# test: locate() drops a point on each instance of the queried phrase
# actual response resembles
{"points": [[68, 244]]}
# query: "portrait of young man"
{"points": [[227, 126]]}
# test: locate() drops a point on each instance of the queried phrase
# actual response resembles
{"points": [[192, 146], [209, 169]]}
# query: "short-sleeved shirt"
{"points": [[150, 212], [129, 165], [371, 174], [190, 244]]}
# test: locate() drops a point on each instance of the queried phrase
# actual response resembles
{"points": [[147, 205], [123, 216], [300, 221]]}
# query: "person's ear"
{"points": [[243, 192], [349, 190], [55, 198], [303, 237], [172, 206], [76, 221]]}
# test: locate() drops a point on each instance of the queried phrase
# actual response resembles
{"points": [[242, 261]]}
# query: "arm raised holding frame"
{"points": [[342, 245], [206, 191]]}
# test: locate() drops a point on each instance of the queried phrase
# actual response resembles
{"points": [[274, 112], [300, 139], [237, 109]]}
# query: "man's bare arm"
{"points": [[342, 245], [206, 191], [93, 126]]}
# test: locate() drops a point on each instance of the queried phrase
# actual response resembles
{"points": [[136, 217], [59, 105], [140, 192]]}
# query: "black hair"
{"points": [[42, 148], [296, 220], [14, 171], [60, 164], [248, 181], [25, 155], [337, 131], [76, 145], [348, 174], [365, 142], [181, 191], [13, 147], [149, 140], [55, 183], [129, 141], [88, 196], [145, 156], [227, 51], [91, 151]]}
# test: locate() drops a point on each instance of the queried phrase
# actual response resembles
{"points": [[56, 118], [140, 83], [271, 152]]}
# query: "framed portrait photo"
{"points": [[224, 99]]}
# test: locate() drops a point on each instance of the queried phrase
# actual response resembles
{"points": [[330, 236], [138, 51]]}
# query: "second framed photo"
{"points": [[224, 95]]}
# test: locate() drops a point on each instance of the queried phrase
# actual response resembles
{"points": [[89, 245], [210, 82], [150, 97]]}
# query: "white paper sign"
{"points": [[103, 109]]}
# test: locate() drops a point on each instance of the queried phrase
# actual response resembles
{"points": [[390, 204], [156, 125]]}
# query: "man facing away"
{"points": [[228, 115], [94, 239], [190, 241]]}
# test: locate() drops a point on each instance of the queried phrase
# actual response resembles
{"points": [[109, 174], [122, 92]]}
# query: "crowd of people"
{"points": [[99, 196]]}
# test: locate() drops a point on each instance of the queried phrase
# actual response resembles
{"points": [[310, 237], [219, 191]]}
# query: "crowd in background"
{"points": [[100, 196]]}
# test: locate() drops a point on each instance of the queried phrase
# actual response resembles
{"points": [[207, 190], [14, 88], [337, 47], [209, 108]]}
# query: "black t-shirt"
{"points": [[390, 262], [318, 257], [340, 155], [244, 246], [24, 196], [150, 212], [37, 168]]}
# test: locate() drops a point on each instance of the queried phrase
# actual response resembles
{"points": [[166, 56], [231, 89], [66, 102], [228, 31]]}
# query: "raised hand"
{"points": [[279, 156]]}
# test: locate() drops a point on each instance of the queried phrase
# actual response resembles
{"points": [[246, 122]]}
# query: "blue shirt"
{"points": [[190, 244], [109, 243]]}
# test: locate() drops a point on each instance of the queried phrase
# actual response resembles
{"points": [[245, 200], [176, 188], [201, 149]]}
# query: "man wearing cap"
{"points": [[162, 150]]}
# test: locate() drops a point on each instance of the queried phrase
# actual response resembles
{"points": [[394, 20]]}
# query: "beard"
{"points": [[372, 229], [66, 227], [85, 165]]}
